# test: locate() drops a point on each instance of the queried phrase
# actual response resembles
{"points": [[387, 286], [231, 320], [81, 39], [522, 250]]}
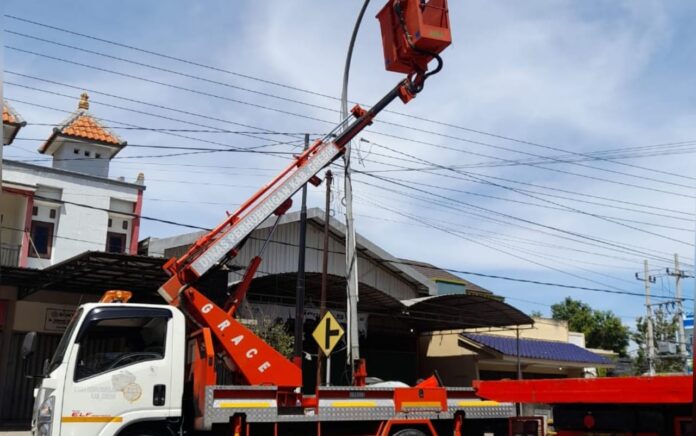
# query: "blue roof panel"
{"points": [[538, 349]]}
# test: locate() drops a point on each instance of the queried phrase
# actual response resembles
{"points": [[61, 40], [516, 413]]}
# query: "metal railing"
{"points": [[9, 254]]}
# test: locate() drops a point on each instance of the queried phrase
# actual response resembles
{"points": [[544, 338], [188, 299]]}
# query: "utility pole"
{"points": [[647, 279], [693, 343], [518, 406], [678, 275], [325, 274], [300, 292]]}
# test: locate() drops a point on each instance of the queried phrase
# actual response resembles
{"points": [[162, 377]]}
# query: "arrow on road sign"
{"points": [[328, 333]]}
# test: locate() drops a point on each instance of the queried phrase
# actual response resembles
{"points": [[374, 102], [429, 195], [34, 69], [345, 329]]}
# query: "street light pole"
{"points": [[353, 351]]}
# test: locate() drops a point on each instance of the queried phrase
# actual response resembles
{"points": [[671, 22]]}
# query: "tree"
{"points": [[665, 329], [275, 334], [536, 314], [602, 329]]}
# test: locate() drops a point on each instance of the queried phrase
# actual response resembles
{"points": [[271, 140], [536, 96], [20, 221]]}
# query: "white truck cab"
{"points": [[118, 370]]}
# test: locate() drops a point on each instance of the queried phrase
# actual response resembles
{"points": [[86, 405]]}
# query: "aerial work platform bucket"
{"points": [[413, 33]]}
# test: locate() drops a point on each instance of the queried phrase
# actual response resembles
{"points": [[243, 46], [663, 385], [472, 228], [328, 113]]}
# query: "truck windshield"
{"points": [[64, 342]]}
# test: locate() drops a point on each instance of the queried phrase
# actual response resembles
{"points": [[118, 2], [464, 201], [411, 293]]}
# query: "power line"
{"points": [[407, 139], [132, 110], [129, 109], [582, 194], [627, 251], [511, 254], [156, 129], [590, 156], [386, 261], [646, 188], [270, 108], [564, 209], [153, 53], [167, 70], [168, 85], [597, 241], [534, 282], [254, 78], [248, 150], [491, 235], [562, 206]]}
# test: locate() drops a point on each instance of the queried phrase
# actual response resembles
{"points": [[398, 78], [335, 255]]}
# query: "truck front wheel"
{"points": [[148, 429], [409, 432]]}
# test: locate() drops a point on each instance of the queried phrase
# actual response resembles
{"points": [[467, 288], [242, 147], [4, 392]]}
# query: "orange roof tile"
{"points": [[10, 116], [86, 127], [7, 117]]}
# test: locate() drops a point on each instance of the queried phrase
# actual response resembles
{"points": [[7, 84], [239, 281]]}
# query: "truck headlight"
{"points": [[45, 416]]}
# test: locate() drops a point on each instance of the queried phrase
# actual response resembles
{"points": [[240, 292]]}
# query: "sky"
{"points": [[556, 145]]}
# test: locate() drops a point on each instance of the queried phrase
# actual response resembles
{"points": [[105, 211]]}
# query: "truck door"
{"points": [[119, 371]]}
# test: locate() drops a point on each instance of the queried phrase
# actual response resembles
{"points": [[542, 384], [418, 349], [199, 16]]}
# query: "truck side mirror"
{"points": [[28, 345]]}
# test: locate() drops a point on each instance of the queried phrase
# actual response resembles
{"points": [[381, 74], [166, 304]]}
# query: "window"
{"points": [[59, 354], [108, 344], [110, 222], [115, 242], [42, 238], [76, 151], [97, 155], [52, 213], [124, 225], [34, 211], [87, 153]]}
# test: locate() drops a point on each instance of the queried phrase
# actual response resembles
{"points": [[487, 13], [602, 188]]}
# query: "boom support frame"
{"points": [[256, 362]]}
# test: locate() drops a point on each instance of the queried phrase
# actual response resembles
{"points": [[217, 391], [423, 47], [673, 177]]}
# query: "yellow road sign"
{"points": [[328, 333]]}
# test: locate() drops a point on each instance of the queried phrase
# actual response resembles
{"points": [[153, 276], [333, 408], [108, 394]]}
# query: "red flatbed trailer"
{"points": [[646, 406]]}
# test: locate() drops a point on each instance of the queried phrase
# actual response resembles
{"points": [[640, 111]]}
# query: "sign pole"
{"points": [[328, 370]]}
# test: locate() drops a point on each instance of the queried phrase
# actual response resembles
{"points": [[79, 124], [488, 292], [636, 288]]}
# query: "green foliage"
{"points": [[665, 329], [536, 314], [602, 329], [275, 334]]}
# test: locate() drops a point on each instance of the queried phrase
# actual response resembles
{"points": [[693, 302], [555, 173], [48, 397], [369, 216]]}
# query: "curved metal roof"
{"points": [[282, 287], [459, 311]]}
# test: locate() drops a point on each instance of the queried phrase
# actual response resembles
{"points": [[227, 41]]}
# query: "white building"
{"points": [[50, 214], [55, 220]]}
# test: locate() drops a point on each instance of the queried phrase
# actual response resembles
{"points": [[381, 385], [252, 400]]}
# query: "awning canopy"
{"points": [[95, 272], [91, 272], [463, 311]]}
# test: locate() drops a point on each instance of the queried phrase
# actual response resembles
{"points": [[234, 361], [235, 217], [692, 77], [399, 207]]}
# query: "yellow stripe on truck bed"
{"points": [[428, 404], [478, 403], [354, 404]]}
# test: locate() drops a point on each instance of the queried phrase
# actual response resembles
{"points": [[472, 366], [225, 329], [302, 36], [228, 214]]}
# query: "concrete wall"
{"points": [[42, 317], [442, 344], [454, 371], [544, 328], [440, 351], [577, 338], [78, 229], [81, 157], [13, 212]]}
